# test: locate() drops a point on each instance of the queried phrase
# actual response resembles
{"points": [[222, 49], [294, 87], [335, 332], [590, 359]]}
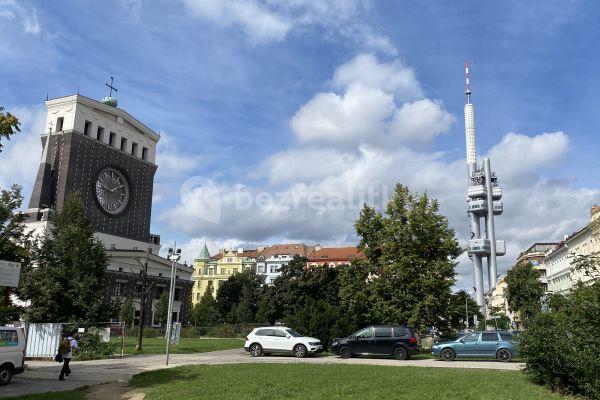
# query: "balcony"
{"points": [[500, 247]]}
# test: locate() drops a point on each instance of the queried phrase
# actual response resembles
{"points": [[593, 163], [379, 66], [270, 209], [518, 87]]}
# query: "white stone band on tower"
{"points": [[470, 133]]}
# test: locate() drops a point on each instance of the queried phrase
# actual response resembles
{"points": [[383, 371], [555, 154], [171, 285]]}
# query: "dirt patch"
{"points": [[113, 391]]}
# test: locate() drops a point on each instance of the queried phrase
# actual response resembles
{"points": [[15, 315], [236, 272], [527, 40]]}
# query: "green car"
{"points": [[500, 345]]}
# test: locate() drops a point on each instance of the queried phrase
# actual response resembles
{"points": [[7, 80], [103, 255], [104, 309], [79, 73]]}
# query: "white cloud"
{"points": [[369, 110], [421, 121], [392, 77], [12, 10], [261, 24], [173, 161], [272, 20], [518, 155], [20, 157], [350, 118]]}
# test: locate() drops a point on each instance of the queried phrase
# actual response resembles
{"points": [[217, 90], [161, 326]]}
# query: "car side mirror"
{"points": [[462, 340], [288, 336]]}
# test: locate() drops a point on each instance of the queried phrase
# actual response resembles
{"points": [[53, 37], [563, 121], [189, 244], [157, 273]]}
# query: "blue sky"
{"points": [[327, 96]]}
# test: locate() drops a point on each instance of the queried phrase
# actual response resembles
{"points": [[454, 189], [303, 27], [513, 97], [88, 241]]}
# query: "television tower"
{"points": [[483, 195]]}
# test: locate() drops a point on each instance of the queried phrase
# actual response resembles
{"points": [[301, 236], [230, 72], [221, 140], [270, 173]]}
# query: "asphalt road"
{"points": [[42, 376]]}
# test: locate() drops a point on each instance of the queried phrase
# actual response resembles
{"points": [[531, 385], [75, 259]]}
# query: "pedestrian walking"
{"points": [[65, 348]]}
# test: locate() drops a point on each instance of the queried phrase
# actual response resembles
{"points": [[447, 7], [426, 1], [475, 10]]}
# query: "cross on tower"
{"points": [[111, 87]]}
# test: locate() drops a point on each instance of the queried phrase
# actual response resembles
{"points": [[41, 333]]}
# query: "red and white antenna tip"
{"points": [[467, 76]]}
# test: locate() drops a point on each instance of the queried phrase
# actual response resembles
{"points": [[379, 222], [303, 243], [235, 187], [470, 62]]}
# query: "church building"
{"points": [[109, 158]]}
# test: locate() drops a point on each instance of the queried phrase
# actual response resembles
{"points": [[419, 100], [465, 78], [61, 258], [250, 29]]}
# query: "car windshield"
{"points": [[293, 333]]}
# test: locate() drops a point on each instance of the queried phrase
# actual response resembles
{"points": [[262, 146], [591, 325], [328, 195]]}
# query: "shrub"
{"points": [[152, 332], [190, 332], [91, 346], [561, 346], [222, 331]]}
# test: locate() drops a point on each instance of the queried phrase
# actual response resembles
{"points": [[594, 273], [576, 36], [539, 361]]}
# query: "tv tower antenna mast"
{"points": [[483, 195]]}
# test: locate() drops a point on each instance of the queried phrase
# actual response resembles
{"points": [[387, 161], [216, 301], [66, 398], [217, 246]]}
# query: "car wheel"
{"points": [[6, 373], [345, 352], [300, 351], [256, 350], [504, 355], [448, 354], [400, 353]]}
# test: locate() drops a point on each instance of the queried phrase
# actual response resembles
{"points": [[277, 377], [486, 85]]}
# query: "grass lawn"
{"points": [[186, 345], [306, 381]]}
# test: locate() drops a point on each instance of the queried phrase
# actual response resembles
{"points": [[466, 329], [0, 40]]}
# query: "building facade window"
{"points": [[118, 288], [112, 139], [134, 148], [123, 144], [87, 127], [100, 134], [144, 153], [59, 124]]}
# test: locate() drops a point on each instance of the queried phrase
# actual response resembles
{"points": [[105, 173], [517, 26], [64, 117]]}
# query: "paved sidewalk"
{"points": [[42, 376]]}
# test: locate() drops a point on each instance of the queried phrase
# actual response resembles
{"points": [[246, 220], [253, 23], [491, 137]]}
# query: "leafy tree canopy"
{"points": [[524, 291], [68, 280], [9, 125]]}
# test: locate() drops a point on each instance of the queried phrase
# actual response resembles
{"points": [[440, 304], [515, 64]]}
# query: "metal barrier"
{"points": [[42, 339]]}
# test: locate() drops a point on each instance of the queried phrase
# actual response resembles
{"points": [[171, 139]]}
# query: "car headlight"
{"points": [[314, 343]]}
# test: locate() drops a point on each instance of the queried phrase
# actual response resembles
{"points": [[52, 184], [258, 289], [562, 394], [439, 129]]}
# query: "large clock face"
{"points": [[112, 190]]}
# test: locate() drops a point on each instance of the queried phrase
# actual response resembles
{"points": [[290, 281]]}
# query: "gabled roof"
{"points": [[291, 249], [335, 254], [251, 253]]}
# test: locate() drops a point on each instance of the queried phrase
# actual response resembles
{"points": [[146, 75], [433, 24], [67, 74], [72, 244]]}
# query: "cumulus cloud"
{"points": [[518, 155], [392, 77], [370, 108], [173, 161], [12, 10], [272, 20]]}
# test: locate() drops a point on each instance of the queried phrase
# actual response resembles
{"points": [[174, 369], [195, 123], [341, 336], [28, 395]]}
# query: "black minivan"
{"points": [[388, 340]]}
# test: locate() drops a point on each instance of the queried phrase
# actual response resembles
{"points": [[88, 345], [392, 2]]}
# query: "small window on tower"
{"points": [[59, 124], [100, 134], [87, 127], [123, 144], [112, 138], [144, 153], [134, 147]]}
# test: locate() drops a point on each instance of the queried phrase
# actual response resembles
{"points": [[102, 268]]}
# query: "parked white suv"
{"points": [[12, 352], [280, 339]]}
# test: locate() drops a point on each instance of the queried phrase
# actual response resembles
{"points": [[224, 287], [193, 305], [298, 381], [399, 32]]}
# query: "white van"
{"points": [[12, 353]]}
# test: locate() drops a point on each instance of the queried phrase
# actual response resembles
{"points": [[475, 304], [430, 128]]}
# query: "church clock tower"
{"points": [[107, 156]]}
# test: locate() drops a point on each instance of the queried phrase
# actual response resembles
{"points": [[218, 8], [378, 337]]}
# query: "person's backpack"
{"points": [[64, 346]]}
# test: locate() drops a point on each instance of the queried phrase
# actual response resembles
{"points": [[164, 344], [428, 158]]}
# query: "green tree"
{"points": [[13, 240], [561, 346], [462, 304], [126, 313], [68, 281], [230, 293], [9, 125], [524, 291], [412, 251], [500, 321], [205, 313], [267, 311], [161, 309]]}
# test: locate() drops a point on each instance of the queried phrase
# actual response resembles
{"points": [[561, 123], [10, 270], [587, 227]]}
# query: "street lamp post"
{"points": [[174, 255]]}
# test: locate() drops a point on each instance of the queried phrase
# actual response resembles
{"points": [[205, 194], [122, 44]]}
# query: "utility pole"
{"points": [[143, 294], [467, 310], [174, 255]]}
